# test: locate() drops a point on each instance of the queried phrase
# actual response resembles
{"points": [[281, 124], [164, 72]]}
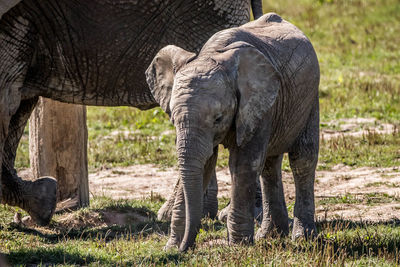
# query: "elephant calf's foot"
{"points": [[174, 241], [273, 229], [240, 233], [258, 214], [305, 230], [165, 212], [240, 239], [223, 214], [40, 199]]}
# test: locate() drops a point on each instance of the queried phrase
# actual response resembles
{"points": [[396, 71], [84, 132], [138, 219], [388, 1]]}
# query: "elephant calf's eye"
{"points": [[218, 119]]}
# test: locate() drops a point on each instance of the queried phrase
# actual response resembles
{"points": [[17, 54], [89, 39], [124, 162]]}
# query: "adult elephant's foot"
{"points": [[240, 237], [40, 199], [303, 229]]}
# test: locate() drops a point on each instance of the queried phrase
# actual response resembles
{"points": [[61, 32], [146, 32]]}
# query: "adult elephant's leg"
{"points": [[275, 217], [16, 51], [178, 212], [11, 188], [303, 157], [4, 122], [37, 197]]}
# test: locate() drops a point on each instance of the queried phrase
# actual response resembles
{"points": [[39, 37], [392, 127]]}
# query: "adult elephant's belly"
{"points": [[96, 52]]}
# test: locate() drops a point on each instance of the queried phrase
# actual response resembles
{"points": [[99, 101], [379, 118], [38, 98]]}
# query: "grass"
{"points": [[358, 52], [371, 150], [369, 199], [125, 136], [140, 244]]}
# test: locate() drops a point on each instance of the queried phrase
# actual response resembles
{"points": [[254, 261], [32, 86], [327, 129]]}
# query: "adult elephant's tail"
{"points": [[256, 7]]}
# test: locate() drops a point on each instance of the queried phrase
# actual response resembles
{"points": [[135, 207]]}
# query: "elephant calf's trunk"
{"points": [[193, 189]]}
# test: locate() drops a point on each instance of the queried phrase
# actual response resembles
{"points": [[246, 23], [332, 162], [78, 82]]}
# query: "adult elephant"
{"points": [[91, 53]]}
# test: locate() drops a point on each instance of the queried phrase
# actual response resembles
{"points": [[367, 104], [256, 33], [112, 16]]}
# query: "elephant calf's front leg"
{"points": [[240, 221]]}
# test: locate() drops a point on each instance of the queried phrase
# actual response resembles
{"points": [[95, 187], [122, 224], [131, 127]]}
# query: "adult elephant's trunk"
{"points": [[193, 152]]}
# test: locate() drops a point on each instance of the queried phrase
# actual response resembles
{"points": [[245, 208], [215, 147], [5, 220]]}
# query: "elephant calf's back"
{"points": [[296, 61]]}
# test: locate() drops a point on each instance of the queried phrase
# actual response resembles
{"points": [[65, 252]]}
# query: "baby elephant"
{"points": [[253, 89]]}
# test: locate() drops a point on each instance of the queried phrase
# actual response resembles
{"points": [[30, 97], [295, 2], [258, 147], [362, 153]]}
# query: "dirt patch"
{"points": [[141, 181], [359, 194], [362, 193]]}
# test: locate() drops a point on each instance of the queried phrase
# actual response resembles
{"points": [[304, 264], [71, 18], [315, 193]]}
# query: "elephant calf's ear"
{"points": [[258, 84], [161, 72]]}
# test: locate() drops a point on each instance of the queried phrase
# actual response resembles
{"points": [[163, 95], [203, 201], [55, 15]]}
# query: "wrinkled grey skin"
{"points": [[88, 52], [255, 90], [210, 203]]}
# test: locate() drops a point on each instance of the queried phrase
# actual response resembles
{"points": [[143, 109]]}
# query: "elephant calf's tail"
{"points": [[256, 7]]}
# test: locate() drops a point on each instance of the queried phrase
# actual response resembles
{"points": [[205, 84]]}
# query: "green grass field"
{"points": [[358, 45]]}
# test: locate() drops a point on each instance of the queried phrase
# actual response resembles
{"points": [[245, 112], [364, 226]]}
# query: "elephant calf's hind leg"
{"points": [[303, 158]]}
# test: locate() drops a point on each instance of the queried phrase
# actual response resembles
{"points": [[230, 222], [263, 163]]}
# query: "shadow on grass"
{"points": [[342, 239], [360, 238], [342, 224], [96, 230], [55, 256], [51, 256]]}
